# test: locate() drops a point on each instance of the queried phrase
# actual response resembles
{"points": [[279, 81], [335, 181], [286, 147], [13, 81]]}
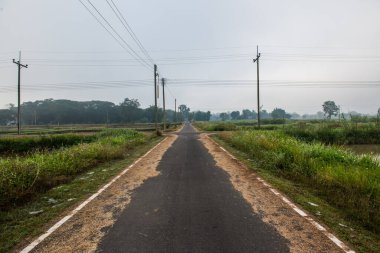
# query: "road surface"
{"points": [[190, 207], [187, 195]]}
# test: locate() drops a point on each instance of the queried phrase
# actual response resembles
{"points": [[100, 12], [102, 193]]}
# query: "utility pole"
{"points": [[19, 65], [155, 97], [258, 86], [175, 110], [163, 100]]}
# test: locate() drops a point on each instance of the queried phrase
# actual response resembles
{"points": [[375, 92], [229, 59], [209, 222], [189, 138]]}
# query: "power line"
{"points": [[188, 83], [128, 49], [136, 56], [170, 91], [219, 59], [121, 17], [81, 85]]}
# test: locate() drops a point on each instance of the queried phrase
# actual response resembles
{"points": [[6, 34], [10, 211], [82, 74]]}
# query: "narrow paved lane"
{"points": [[190, 207]]}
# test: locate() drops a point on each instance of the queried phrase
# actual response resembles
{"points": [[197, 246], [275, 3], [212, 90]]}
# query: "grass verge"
{"points": [[345, 226], [27, 221]]}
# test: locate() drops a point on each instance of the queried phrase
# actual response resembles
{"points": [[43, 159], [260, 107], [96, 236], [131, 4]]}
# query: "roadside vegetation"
{"points": [[21, 177], [337, 134], [46, 203], [29, 144], [314, 162], [327, 132], [345, 180]]}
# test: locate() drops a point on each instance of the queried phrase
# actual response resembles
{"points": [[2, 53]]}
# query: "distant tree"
{"points": [[11, 107], [235, 115], [7, 116], [130, 111], [278, 113], [356, 118], [184, 111], [254, 114], [201, 116], [149, 114], [223, 116], [320, 115], [295, 116], [246, 114], [264, 114], [330, 109]]}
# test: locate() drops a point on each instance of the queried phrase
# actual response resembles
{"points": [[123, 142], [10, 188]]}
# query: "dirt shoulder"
{"points": [[302, 235], [84, 230]]}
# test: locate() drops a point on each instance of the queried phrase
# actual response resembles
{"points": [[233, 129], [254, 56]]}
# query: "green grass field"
{"points": [[23, 176]]}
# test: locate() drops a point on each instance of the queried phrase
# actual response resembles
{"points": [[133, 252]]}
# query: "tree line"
{"points": [[329, 110], [277, 113], [50, 111]]}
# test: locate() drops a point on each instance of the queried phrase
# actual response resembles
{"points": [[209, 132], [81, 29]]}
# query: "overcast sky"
{"points": [[311, 51]]}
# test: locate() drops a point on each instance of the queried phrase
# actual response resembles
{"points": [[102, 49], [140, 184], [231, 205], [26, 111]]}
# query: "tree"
{"points": [[295, 116], [278, 113], [330, 109], [202, 116], [264, 114], [223, 116], [184, 111], [130, 111], [246, 114], [235, 115], [254, 114]]}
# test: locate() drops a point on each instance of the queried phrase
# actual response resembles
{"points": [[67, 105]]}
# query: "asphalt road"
{"points": [[190, 207]]}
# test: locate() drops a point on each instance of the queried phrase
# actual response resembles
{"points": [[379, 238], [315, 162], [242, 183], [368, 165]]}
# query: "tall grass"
{"points": [[345, 180], [21, 177], [27, 144], [337, 134]]}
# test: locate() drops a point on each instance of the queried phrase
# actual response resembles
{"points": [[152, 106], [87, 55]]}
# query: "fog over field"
{"points": [[311, 51]]}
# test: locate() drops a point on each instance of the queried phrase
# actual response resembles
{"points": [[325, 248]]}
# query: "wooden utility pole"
{"points": [[155, 98], [163, 100], [175, 110], [258, 86], [19, 65]]}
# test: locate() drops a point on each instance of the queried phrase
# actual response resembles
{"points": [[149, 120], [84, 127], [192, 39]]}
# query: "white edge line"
{"points": [[302, 213], [33, 244]]}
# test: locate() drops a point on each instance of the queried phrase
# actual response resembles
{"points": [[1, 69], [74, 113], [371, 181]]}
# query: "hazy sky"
{"points": [[312, 51]]}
